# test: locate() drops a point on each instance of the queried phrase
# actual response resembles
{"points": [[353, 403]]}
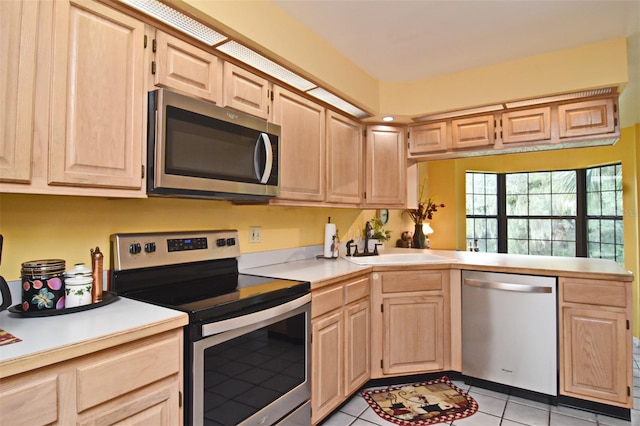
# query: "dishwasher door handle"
{"points": [[521, 288]]}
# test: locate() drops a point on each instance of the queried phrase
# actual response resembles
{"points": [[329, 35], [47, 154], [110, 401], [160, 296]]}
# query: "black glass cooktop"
{"points": [[208, 291]]}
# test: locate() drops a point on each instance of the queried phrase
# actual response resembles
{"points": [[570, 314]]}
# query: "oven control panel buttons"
{"points": [[135, 248], [150, 247], [221, 242], [184, 244], [231, 241]]}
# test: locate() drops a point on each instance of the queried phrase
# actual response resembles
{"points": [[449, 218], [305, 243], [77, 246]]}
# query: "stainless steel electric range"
{"points": [[247, 345]]}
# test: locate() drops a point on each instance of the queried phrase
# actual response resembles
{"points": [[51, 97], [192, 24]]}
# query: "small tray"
{"points": [[107, 297]]}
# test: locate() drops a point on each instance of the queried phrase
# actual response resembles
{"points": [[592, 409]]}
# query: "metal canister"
{"points": [[42, 284]]}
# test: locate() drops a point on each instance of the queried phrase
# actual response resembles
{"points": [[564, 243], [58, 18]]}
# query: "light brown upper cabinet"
{"points": [[473, 132], [97, 116], [18, 31], [385, 167], [427, 138], [246, 91], [526, 125], [302, 146], [344, 160], [546, 125], [186, 68], [587, 118], [84, 63]]}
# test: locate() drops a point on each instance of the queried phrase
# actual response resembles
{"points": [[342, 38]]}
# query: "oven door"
{"points": [[252, 369]]}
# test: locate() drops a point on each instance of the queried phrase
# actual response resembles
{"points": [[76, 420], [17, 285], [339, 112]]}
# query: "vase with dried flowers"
{"points": [[426, 209]]}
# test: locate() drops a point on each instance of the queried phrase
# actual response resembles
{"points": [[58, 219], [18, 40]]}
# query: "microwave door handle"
{"points": [[265, 143]]}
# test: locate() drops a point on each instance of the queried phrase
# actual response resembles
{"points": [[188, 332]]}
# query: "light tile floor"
{"points": [[498, 409]]}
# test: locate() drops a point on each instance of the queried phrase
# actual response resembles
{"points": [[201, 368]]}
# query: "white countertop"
{"points": [[319, 270], [122, 320], [312, 270]]}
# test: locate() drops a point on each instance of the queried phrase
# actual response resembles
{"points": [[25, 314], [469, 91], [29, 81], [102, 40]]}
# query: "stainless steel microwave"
{"points": [[199, 150]]}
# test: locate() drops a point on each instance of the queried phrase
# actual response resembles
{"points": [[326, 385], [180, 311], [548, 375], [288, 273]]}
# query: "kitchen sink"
{"points": [[398, 259]]}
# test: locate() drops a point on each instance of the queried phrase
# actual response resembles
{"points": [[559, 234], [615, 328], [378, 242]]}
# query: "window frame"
{"points": [[581, 217]]}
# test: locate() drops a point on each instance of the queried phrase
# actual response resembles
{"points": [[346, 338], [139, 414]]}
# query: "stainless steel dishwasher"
{"points": [[509, 325]]}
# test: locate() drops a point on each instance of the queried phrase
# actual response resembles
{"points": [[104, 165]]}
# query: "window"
{"points": [[555, 213], [604, 213], [482, 210]]}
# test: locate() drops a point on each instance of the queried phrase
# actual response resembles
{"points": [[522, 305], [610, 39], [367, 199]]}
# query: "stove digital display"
{"points": [[184, 244]]}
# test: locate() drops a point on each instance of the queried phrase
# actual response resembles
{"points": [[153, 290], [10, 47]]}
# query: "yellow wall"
{"points": [[446, 181], [558, 72], [64, 227]]}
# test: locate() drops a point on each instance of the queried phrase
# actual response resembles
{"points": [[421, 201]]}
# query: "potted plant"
{"points": [[426, 209]]}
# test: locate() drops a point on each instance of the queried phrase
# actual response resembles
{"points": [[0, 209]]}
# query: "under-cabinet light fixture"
{"points": [[249, 57], [341, 104], [177, 20]]}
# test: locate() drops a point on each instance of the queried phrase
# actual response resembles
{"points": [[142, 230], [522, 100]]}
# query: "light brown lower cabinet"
{"points": [[595, 341], [134, 383], [409, 322], [340, 362]]}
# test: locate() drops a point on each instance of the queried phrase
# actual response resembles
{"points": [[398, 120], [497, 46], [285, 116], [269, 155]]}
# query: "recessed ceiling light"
{"points": [[387, 118]]}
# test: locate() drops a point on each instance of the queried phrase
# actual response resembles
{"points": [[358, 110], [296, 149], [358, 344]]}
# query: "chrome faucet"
{"points": [[367, 234]]}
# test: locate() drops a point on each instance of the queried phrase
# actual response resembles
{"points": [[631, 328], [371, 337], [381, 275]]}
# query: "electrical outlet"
{"points": [[255, 234]]}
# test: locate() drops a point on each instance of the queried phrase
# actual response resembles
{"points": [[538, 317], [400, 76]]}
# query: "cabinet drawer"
{"points": [[594, 292], [114, 376], [35, 402], [326, 300], [356, 289], [396, 282]]}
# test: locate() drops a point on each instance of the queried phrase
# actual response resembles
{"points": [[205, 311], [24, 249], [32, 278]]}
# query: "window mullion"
{"points": [[502, 213], [581, 213]]}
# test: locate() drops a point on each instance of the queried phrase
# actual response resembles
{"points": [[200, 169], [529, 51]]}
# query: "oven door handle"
{"points": [[253, 318]]}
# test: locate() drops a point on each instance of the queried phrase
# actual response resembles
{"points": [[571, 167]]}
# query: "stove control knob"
{"points": [[149, 247], [220, 242], [231, 241], [135, 248]]}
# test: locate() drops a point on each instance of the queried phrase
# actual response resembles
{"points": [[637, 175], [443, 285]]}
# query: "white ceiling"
{"points": [[406, 40]]}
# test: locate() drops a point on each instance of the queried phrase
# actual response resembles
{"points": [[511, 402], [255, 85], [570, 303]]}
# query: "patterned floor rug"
{"points": [[426, 403]]}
